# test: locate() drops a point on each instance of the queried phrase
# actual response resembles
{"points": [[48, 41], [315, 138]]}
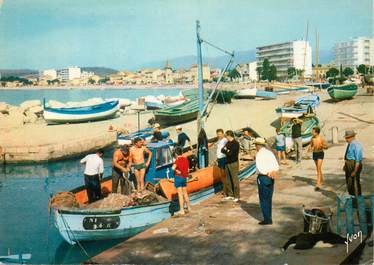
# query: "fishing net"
{"points": [[63, 200]]}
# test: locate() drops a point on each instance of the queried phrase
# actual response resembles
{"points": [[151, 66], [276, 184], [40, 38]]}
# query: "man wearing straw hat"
{"points": [[267, 169], [353, 163]]}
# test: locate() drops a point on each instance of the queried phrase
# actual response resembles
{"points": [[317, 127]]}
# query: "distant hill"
{"points": [[214, 62], [101, 71], [17, 72]]}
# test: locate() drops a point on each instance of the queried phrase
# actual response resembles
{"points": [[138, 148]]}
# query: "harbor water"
{"points": [[26, 225], [17, 96]]}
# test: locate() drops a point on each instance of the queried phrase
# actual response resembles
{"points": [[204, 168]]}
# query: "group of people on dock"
{"points": [[228, 150]]}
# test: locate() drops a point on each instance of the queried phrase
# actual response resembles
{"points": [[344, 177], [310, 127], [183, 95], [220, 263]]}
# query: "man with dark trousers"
{"points": [[93, 173], [296, 138], [231, 150], [267, 169], [353, 163]]}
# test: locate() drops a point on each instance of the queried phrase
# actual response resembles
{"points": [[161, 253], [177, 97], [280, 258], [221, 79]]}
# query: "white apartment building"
{"points": [[296, 54], [69, 73], [354, 52]]}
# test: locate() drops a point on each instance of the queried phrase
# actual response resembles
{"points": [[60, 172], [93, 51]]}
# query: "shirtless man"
{"points": [[317, 145], [121, 166], [137, 159]]}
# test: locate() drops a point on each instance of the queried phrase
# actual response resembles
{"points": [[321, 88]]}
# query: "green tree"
{"points": [[265, 71], [272, 73], [348, 71], [233, 74], [291, 72], [332, 72], [91, 81], [259, 71], [362, 69], [104, 80]]}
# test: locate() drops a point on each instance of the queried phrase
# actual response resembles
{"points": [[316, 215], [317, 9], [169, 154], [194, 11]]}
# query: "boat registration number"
{"points": [[101, 223]]}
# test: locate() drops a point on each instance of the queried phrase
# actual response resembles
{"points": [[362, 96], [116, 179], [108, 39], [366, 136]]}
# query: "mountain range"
{"points": [[325, 56]]}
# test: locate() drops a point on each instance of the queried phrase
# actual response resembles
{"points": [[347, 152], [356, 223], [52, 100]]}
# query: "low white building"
{"points": [[69, 73], [296, 54], [354, 52], [247, 71], [48, 74]]}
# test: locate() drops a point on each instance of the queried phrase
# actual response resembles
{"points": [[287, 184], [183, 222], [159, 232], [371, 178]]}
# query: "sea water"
{"points": [[26, 225], [16, 97]]}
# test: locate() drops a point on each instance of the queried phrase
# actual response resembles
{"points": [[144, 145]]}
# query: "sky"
{"points": [[123, 34]]}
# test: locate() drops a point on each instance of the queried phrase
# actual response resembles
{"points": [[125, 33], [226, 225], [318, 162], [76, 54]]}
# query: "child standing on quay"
{"points": [[180, 167], [280, 141]]}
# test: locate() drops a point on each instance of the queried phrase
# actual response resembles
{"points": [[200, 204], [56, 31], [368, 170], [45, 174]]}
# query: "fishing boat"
{"points": [[247, 93], [154, 105], [341, 92], [301, 106], [309, 122], [96, 112], [85, 224], [182, 113], [286, 91], [266, 94], [145, 134]]}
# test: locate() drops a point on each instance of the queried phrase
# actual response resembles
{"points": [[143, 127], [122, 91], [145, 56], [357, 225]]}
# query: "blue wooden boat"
{"points": [[288, 90], [83, 224], [301, 106], [80, 114], [153, 105], [266, 94], [145, 134]]}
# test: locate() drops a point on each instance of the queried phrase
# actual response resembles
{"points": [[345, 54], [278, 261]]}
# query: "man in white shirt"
{"points": [[267, 169], [221, 157], [93, 173]]}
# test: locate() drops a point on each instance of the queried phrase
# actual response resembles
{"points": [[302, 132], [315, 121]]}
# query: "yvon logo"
{"points": [[352, 237]]}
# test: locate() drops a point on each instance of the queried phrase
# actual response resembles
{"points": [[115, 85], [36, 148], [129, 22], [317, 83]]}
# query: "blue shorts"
{"points": [[280, 148], [180, 182], [221, 162]]}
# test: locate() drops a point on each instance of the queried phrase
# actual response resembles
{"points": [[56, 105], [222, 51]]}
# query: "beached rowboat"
{"points": [[182, 113], [80, 114], [246, 93], [299, 107], [266, 94], [341, 92]]}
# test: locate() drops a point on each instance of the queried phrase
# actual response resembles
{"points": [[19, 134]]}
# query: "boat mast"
{"points": [[305, 47], [200, 122], [317, 50]]}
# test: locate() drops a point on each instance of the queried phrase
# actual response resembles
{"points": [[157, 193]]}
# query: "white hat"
{"points": [[260, 141], [156, 125], [178, 127]]}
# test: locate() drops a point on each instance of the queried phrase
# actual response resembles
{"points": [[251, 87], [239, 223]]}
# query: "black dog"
{"points": [[309, 240]]}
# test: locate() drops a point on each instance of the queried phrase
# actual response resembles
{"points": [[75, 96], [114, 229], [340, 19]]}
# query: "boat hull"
{"points": [[300, 107], [342, 92], [248, 93], [72, 225], [167, 119], [83, 114]]}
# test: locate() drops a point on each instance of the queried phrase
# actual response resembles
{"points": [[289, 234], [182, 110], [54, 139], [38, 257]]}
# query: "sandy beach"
{"points": [[39, 142]]}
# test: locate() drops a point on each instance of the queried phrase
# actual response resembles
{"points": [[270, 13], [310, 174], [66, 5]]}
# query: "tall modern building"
{"points": [[296, 54], [354, 52]]}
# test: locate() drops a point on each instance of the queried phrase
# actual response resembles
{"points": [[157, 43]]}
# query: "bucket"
{"points": [[316, 221]]}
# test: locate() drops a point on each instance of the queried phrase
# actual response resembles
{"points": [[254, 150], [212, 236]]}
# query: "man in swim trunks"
{"points": [[317, 145], [121, 166], [137, 158]]}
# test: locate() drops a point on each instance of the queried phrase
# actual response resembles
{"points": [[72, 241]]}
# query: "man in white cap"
{"points": [[157, 134], [353, 163], [267, 169], [182, 137]]}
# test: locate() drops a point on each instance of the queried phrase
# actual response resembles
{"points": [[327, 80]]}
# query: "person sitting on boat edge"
{"points": [[182, 137], [137, 159], [157, 134], [231, 150], [180, 167], [93, 173], [267, 169], [121, 170], [247, 143]]}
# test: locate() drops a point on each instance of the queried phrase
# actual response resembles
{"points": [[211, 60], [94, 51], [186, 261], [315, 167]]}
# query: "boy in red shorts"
{"points": [[180, 167]]}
